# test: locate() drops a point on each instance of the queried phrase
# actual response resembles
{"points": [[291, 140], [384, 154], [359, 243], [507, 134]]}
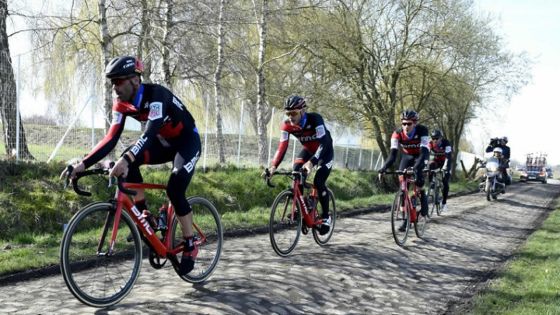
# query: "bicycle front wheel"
{"points": [[95, 274], [285, 224], [208, 233], [400, 219], [432, 201], [420, 224], [323, 239], [438, 198]]}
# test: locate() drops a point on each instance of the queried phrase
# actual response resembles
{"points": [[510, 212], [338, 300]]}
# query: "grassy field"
{"points": [[530, 284]]}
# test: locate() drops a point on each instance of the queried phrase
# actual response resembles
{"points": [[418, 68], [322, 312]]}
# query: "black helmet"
{"points": [[409, 115], [436, 134], [123, 66], [294, 102]]}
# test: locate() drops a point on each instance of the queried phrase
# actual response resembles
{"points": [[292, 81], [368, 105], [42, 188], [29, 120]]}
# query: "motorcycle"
{"points": [[494, 183]]}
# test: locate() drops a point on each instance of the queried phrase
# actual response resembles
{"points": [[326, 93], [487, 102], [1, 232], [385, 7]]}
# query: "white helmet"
{"points": [[497, 150]]}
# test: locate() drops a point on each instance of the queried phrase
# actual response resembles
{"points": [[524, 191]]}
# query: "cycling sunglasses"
{"points": [[292, 112]]}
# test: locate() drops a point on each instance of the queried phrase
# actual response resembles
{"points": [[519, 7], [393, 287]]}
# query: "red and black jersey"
{"points": [[410, 143], [441, 149], [311, 133], [165, 114]]}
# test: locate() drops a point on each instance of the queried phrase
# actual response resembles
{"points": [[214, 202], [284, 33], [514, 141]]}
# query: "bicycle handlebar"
{"points": [[96, 171], [292, 174]]}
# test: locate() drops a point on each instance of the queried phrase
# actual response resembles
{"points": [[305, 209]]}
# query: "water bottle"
{"points": [[162, 220]]}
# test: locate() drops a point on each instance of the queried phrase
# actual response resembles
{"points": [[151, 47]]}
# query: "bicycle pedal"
{"points": [[304, 229]]}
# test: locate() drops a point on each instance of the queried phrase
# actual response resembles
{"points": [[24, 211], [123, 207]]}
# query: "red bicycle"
{"points": [[293, 213], [101, 248], [403, 210]]}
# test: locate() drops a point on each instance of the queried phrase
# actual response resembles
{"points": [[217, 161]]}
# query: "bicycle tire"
{"points": [[207, 218], [282, 225], [322, 240], [100, 280], [439, 196], [420, 224], [397, 218], [432, 200]]}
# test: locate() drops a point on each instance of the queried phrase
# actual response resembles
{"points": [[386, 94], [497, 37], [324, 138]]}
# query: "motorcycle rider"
{"points": [[501, 143]]}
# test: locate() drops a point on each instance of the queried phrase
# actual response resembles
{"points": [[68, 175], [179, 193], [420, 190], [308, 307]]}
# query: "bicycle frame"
{"points": [[408, 206], [309, 215], [163, 249]]}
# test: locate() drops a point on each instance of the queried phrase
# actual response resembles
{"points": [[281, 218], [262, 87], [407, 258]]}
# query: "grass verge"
{"points": [[530, 284]]}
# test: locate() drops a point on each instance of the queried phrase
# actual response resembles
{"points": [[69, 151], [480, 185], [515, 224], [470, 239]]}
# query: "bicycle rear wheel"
{"points": [[209, 234], [284, 230], [94, 275], [400, 218], [322, 240]]}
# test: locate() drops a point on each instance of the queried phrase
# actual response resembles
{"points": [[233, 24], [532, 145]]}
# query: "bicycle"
{"points": [[293, 213], [404, 208], [101, 249], [435, 193]]}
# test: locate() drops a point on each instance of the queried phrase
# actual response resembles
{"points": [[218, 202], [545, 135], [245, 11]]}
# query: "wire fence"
{"points": [[57, 130]]}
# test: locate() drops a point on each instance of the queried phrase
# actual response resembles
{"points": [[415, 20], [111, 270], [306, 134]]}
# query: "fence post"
{"points": [[93, 104], [17, 108], [371, 160], [270, 136], [380, 157], [205, 98], [240, 131], [61, 141]]}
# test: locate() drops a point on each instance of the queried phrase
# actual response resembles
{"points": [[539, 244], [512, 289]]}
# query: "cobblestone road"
{"points": [[361, 271]]}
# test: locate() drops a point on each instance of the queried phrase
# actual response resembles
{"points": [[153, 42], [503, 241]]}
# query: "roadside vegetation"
{"points": [[531, 281], [34, 206]]}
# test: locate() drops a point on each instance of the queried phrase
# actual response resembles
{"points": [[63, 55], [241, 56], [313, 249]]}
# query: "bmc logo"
{"points": [[142, 220], [308, 138], [190, 166], [139, 144]]}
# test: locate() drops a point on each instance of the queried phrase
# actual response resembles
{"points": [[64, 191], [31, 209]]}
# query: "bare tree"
{"points": [[8, 97], [218, 84]]}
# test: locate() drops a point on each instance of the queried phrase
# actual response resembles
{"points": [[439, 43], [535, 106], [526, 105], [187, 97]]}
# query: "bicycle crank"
{"points": [[156, 261]]}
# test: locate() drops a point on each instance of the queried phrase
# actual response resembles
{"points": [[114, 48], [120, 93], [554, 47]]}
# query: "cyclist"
{"points": [[414, 140], [442, 149], [310, 130], [170, 135]]}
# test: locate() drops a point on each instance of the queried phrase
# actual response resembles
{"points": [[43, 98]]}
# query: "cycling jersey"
{"points": [[312, 134], [411, 143], [166, 116], [441, 150]]}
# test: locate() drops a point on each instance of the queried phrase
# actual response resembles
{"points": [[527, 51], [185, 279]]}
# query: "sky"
{"points": [[529, 118]]}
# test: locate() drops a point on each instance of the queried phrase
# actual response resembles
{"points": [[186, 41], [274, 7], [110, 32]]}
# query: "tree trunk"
{"points": [[8, 97], [263, 115], [218, 87], [106, 41], [167, 74]]}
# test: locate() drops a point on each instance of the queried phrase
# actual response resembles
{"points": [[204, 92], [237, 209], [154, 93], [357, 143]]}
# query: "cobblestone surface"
{"points": [[361, 271]]}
